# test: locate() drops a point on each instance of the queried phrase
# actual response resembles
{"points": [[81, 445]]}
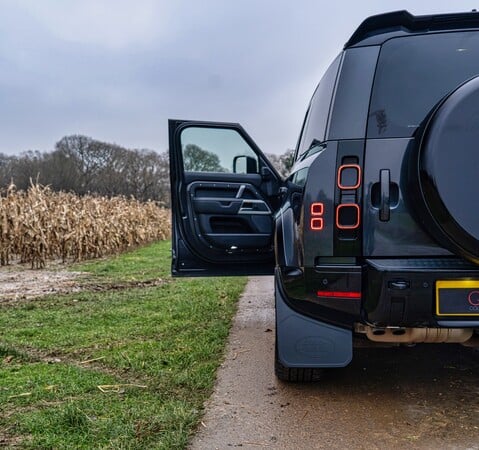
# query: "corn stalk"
{"points": [[39, 225]]}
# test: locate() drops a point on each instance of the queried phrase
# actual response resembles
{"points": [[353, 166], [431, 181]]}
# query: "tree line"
{"points": [[85, 165]]}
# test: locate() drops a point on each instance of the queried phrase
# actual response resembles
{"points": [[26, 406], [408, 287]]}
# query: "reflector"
{"points": [[340, 294]]}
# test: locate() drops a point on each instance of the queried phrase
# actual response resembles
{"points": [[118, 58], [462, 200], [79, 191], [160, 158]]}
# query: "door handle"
{"points": [[385, 202], [240, 192]]}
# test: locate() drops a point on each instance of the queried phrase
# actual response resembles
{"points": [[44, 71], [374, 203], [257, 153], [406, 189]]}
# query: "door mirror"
{"points": [[245, 164]]}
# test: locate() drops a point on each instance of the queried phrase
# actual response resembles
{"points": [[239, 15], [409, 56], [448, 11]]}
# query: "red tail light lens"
{"points": [[347, 216], [317, 209], [349, 176], [317, 222]]}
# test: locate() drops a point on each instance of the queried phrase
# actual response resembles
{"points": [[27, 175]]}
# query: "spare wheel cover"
{"points": [[449, 170]]}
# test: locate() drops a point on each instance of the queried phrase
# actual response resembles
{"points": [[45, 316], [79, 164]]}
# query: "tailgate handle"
{"points": [[384, 208]]}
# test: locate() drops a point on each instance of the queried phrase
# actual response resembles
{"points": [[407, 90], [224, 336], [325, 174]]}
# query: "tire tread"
{"points": [[297, 374]]}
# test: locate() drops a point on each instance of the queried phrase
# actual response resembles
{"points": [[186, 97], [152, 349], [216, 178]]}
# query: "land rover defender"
{"points": [[374, 236]]}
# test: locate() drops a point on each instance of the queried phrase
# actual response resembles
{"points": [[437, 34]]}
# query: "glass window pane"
{"points": [[413, 74], [220, 150]]}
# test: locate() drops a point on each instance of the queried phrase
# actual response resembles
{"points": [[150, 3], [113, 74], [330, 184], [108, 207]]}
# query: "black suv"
{"points": [[374, 237]]}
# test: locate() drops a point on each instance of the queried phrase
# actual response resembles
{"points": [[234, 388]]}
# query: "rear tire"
{"points": [[295, 374]]}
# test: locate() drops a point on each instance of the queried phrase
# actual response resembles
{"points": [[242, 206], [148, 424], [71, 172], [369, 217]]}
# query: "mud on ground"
{"points": [[18, 283]]}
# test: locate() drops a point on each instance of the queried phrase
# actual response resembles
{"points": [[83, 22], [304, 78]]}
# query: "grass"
{"points": [[157, 348], [145, 264]]}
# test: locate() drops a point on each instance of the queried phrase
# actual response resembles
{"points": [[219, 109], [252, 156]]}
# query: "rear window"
{"points": [[413, 74]]}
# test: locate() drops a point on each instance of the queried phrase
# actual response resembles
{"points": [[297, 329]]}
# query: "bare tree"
{"points": [[85, 165], [282, 163]]}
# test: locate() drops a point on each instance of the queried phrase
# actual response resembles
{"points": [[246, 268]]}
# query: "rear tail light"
{"points": [[317, 222], [348, 199], [347, 216], [317, 209], [349, 176]]}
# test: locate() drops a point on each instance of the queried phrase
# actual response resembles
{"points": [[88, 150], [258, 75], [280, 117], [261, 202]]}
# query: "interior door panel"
{"points": [[224, 194], [231, 216]]}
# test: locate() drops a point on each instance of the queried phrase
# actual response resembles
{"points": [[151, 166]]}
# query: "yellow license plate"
{"points": [[457, 298]]}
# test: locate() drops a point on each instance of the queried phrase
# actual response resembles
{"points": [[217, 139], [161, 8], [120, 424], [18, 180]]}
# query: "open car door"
{"points": [[224, 193]]}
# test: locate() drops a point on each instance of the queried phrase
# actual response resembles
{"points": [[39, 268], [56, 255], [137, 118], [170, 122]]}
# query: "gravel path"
{"points": [[421, 397]]}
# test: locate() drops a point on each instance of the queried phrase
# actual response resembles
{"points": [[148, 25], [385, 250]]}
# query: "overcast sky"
{"points": [[117, 70]]}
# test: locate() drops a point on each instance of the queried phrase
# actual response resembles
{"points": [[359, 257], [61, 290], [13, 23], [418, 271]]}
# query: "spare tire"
{"points": [[448, 171]]}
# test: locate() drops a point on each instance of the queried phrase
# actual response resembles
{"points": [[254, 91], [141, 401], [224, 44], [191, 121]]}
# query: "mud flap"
{"points": [[304, 342]]}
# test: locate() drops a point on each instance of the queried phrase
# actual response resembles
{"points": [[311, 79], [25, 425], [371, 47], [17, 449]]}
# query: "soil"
{"points": [[425, 397], [18, 283]]}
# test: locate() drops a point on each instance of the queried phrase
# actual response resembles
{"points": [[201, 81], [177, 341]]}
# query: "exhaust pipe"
{"points": [[419, 335]]}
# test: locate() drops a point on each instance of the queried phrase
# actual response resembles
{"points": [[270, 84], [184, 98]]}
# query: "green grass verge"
{"points": [[159, 347], [144, 264]]}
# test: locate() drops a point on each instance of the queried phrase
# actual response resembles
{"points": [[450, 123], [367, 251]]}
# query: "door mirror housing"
{"points": [[245, 164]]}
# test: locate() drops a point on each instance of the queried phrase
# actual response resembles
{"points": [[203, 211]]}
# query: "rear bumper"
{"points": [[402, 292], [392, 292]]}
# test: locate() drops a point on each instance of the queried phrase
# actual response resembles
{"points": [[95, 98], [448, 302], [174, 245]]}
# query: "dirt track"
{"points": [[421, 397]]}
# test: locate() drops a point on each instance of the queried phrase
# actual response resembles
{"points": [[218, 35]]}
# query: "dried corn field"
{"points": [[40, 225]]}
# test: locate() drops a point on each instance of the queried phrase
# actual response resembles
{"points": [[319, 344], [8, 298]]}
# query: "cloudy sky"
{"points": [[117, 70]]}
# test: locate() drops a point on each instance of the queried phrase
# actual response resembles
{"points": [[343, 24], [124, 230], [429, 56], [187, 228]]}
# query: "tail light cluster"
{"points": [[348, 212], [339, 243], [317, 221]]}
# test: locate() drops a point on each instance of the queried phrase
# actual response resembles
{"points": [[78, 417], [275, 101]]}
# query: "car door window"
{"points": [[217, 150]]}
